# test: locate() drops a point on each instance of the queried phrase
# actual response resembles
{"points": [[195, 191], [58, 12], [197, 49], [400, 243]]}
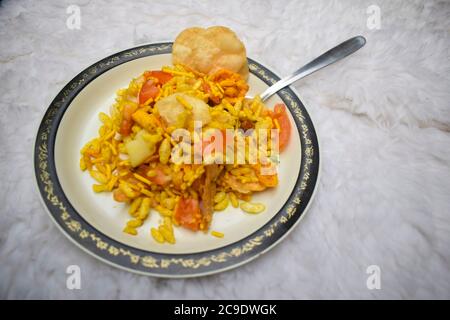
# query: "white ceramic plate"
{"points": [[95, 221]]}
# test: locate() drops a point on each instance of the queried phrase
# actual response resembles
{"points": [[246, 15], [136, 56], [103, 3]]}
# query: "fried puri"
{"points": [[209, 50]]}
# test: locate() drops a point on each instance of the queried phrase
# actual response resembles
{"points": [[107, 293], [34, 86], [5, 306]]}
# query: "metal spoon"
{"points": [[337, 53]]}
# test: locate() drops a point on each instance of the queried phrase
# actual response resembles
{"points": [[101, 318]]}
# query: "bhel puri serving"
{"points": [[184, 142]]}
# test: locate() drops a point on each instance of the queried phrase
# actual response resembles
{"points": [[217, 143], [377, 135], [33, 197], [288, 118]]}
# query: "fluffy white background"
{"points": [[383, 116]]}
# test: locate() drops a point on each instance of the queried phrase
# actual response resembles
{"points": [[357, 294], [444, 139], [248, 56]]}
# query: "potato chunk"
{"points": [[180, 115], [141, 147]]}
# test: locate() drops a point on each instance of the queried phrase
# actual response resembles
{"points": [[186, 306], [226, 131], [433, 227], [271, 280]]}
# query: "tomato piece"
{"points": [[142, 170], [280, 114], [247, 124], [125, 127], [207, 89], [226, 137], [148, 90], [160, 178], [268, 180], [119, 196], [188, 214], [127, 121], [163, 77]]}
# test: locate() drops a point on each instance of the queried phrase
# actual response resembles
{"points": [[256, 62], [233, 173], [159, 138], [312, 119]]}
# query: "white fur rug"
{"points": [[383, 116]]}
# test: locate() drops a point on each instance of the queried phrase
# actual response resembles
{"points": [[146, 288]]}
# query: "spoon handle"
{"points": [[337, 53]]}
